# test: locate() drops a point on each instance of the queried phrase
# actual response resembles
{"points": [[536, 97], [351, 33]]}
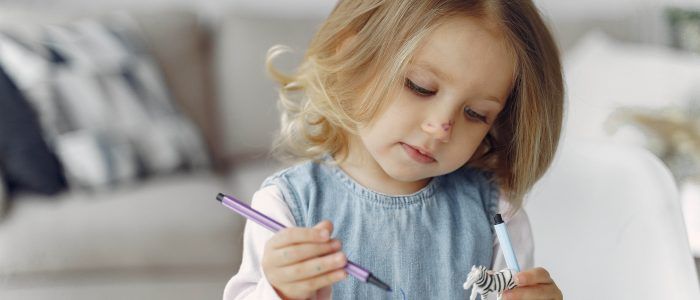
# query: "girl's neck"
{"points": [[365, 170]]}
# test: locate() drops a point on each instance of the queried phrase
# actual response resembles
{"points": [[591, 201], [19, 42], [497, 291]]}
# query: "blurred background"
{"points": [[121, 120]]}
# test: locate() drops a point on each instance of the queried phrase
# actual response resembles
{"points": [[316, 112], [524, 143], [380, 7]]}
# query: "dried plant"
{"points": [[673, 134]]}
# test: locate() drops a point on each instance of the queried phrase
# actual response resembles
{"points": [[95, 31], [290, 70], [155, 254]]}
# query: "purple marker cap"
{"points": [[274, 226]]}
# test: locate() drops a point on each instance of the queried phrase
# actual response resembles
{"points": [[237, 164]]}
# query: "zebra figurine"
{"points": [[485, 281]]}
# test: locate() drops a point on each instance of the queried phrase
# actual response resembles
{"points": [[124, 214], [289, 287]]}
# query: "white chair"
{"points": [[607, 224]]}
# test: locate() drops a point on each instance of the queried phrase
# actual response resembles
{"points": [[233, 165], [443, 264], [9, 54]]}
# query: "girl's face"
{"points": [[454, 88]]}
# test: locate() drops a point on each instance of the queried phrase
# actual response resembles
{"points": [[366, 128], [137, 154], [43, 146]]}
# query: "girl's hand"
{"points": [[299, 261], [534, 284]]}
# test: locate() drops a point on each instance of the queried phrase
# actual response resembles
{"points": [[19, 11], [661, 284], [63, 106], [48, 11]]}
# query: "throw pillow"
{"points": [[3, 196], [100, 95], [25, 158]]}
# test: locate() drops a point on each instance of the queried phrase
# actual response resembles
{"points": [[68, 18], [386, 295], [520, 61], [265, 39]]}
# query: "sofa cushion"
{"points": [[247, 92], [168, 221]]}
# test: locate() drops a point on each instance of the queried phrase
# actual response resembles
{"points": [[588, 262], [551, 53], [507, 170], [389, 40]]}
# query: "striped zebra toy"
{"points": [[484, 281]]}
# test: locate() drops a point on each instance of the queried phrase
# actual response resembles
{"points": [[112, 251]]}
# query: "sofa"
{"points": [[165, 237]]}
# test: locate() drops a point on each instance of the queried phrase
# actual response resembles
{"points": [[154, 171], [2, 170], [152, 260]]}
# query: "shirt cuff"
{"points": [[266, 290]]}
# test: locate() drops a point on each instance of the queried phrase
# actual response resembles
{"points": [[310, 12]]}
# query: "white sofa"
{"points": [[166, 237]]}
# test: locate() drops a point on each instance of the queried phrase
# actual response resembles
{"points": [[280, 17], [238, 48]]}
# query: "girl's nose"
{"points": [[439, 130]]}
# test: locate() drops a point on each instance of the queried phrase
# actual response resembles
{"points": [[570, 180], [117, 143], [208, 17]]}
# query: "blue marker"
{"points": [[504, 240]]}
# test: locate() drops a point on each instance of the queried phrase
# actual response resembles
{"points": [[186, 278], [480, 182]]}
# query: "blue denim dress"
{"points": [[423, 243]]}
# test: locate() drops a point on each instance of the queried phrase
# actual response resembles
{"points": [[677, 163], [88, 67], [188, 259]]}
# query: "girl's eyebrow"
{"points": [[493, 99], [437, 72], [444, 76]]}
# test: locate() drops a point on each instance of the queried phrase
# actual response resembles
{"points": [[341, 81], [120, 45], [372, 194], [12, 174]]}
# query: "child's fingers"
{"points": [[533, 277], [534, 292], [325, 224], [297, 235], [533, 284], [318, 282], [312, 267], [300, 252]]}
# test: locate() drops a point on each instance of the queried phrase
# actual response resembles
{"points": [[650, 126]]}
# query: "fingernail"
{"points": [[324, 234], [519, 279]]}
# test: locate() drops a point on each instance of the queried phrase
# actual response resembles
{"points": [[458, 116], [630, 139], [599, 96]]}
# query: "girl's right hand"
{"points": [[299, 261]]}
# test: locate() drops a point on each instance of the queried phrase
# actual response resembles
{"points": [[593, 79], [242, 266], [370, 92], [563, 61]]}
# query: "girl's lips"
{"points": [[416, 154]]}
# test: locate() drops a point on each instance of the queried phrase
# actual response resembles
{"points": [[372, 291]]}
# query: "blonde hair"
{"points": [[336, 89]]}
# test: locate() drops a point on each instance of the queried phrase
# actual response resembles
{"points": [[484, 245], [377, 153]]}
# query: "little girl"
{"points": [[415, 121]]}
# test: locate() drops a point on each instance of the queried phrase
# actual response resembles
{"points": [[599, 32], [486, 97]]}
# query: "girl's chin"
{"points": [[404, 174]]}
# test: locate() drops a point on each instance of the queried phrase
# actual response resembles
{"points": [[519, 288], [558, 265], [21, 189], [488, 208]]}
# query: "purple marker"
{"points": [[274, 226]]}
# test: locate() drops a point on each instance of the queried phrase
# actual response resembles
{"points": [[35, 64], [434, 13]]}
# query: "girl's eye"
{"points": [[417, 89], [423, 92], [474, 115]]}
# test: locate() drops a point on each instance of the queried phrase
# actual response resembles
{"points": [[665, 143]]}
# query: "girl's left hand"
{"points": [[534, 284]]}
